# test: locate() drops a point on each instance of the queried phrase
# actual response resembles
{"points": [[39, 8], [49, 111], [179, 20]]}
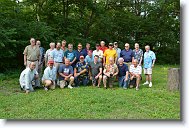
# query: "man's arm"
{"points": [[25, 59]]}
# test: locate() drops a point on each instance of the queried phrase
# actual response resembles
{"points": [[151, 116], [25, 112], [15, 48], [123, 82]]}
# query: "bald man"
{"points": [[28, 77]]}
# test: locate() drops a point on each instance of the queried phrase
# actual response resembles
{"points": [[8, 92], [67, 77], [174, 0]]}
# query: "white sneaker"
{"points": [[146, 83], [45, 88], [137, 88], [69, 86], [150, 85]]}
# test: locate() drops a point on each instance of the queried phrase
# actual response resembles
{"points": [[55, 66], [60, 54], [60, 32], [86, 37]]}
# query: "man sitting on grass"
{"points": [[49, 76], [135, 74], [110, 71], [66, 74], [81, 72], [96, 71], [28, 77]]}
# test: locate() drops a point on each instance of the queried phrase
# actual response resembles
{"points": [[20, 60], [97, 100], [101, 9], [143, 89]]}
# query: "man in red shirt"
{"points": [[102, 46]]}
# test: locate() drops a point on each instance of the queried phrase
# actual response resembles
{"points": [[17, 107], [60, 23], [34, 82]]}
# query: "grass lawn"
{"points": [[89, 102]]}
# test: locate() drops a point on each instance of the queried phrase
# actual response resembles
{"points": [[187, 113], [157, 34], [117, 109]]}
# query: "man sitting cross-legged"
{"points": [[49, 76], [66, 74]]}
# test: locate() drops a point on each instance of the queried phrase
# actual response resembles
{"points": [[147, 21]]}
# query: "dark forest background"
{"points": [[152, 22]]}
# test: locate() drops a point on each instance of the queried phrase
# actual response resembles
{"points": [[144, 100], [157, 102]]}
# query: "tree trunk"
{"points": [[173, 79]]}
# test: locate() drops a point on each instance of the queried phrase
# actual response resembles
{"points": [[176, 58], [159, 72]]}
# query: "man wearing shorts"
{"points": [[149, 61]]}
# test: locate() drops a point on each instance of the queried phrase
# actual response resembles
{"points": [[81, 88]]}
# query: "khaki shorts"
{"points": [[148, 71]]}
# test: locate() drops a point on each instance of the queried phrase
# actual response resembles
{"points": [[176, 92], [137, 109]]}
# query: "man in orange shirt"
{"points": [[110, 53]]}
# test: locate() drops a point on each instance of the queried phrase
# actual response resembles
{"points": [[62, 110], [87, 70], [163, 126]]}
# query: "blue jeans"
{"points": [[122, 82], [79, 79]]}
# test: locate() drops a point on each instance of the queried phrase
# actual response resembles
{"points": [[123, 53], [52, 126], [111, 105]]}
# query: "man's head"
{"points": [[38, 43], [79, 46], [135, 62], [121, 60], [115, 45], [147, 48], [90, 52], [126, 46], [81, 58], [110, 46], [50, 63], [97, 46], [32, 41], [136, 46], [63, 43], [32, 65], [88, 46], [96, 57], [102, 43], [70, 47], [111, 60], [58, 46], [52, 45], [67, 62]]}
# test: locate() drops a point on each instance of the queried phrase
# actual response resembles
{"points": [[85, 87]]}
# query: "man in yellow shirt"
{"points": [[110, 53]]}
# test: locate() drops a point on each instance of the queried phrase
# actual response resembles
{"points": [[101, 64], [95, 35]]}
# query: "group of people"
{"points": [[66, 67]]}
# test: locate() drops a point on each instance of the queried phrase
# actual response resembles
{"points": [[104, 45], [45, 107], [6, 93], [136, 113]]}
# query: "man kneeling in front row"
{"points": [[66, 74], [135, 74], [28, 77], [49, 76]]}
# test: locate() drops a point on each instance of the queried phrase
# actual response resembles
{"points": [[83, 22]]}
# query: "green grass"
{"points": [[90, 103]]}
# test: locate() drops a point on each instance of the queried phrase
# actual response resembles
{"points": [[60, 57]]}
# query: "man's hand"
{"points": [[90, 77], [66, 78], [152, 65], [96, 77]]}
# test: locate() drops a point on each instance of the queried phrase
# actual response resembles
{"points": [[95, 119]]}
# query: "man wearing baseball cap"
{"points": [[49, 76], [81, 72]]}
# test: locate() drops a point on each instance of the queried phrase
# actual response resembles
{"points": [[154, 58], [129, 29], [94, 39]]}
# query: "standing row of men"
{"points": [[65, 66]]}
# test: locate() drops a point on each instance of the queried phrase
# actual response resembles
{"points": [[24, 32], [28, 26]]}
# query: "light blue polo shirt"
{"points": [[58, 55], [148, 58]]}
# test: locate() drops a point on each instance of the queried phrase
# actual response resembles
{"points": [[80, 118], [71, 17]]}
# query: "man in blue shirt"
{"points": [[149, 61], [89, 58], [49, 76], [66, 74], [71, 55], [86, 50], [81, 72], [123, 74], [127, 55], [58, 57], [78, 52]]}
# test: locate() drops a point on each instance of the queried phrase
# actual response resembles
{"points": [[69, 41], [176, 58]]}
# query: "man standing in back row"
{"points": [[149, 61]]}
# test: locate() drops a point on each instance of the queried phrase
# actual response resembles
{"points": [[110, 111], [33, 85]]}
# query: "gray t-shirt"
{"points": [[95, 68]]}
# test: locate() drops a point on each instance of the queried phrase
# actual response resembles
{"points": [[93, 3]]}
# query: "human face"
{"points": [[95, 59], [135, 63], [147, 48], [90, 53], [115, 45], [67, 62], [127, 47], [32, 66], [58, 46], [52, 46], [136, 46], [63, 43], [81, 60], [70, 47], [51, 65], [88, 46], [110, 47], [97, 47], [79, 47], [32, 41], [111, 61], [38, 43], [102, 43], [121, 62]]}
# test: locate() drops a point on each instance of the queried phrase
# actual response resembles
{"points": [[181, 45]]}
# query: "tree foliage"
{"points": [[153, 22]]}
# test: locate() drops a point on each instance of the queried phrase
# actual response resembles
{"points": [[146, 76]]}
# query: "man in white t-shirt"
{"points": [[98, 52], [135, 73]]}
